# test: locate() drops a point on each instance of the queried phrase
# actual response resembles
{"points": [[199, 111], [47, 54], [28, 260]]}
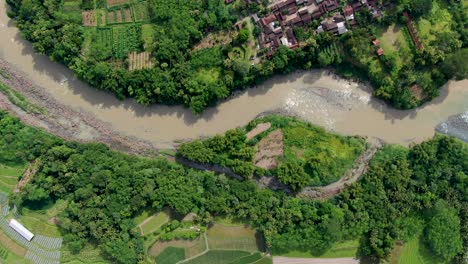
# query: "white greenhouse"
{"points": [[18, 227]]}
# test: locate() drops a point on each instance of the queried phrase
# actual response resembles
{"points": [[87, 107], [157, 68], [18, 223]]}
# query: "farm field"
{"points": [[415, 252], [14, 252], [343, 249], [9, 176], [233, 237], [140, 11], [138, 61], [191, 247], [227, 241], [171, 255], [125, 39]]}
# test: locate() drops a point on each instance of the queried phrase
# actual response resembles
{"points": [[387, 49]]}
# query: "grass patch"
{"points": [[140, 11], [345, 249], [233, 237], [154, 222], [89, 254], [171, 255], [415, 252], [9, 176], [38, 221], [20, 101], [147, 36], [391, 38], [219, 257]]}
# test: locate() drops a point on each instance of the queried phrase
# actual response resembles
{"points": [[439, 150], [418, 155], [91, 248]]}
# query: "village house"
{"points": [[277, 26]]}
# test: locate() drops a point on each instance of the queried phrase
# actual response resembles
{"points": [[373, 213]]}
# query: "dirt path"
{"points": [[62, 120], [285, 260], [28, 175]]}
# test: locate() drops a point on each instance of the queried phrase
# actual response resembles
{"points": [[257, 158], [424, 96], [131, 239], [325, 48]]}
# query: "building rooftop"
{"points": [[20, 229]]}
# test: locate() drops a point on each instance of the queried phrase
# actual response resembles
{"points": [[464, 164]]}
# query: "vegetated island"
{"points": [[111, 206], [197, 52]]}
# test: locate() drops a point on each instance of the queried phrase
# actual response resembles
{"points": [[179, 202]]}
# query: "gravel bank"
{"points": [[61, 120]]}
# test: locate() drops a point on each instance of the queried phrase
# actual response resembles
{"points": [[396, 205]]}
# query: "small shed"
{"points": [[18, 227], [380, 52]]}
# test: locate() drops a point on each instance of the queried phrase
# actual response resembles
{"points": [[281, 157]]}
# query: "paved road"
{"points": [[285, 260]]}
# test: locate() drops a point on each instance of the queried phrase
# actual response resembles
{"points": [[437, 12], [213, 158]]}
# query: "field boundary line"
{"points": [[199, 254]]}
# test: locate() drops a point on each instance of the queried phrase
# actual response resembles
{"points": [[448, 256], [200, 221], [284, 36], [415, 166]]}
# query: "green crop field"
{"points": [[344, 249], [71, 5], [170, 255], [219, 257], [233, 237], [9, 176], [125, 39], [415, 252], [140, 11], [104, 36], [154, 223]]}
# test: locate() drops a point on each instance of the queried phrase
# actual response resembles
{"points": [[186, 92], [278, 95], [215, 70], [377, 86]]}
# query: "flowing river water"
{"points": [[317, 96]]}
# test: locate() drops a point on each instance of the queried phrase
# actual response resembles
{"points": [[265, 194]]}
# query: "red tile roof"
{"points": [[348, 10]]}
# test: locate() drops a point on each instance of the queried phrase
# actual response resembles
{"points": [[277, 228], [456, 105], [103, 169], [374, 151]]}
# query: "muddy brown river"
{"points": [[316, 96]]}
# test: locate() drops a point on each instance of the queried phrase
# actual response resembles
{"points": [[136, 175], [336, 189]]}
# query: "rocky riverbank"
{"points": [[62, 120], [456, 125]]}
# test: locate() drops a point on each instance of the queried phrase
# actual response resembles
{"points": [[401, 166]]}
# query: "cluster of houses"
{"points": [[277, 26]]}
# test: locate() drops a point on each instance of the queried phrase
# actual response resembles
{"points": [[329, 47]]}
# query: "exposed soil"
{"points": [[257, 130], [218, 38], [89, 18], [417, 92], [62, 120], [116, 2], [269, 149], [54, 221], [27, 175]]}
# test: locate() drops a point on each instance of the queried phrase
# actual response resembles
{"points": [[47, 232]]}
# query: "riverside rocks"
{"points": [[62, 120]]}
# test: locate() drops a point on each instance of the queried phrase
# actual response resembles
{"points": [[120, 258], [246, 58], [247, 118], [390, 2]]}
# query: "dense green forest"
{"points": [[103, 48], [405, 192], [308, 155]]}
